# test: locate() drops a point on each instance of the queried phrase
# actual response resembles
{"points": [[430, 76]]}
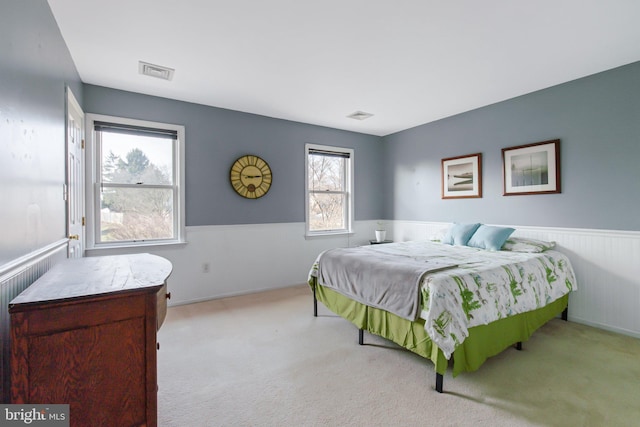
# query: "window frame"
{"points": [[93, 173], [349, 189]]}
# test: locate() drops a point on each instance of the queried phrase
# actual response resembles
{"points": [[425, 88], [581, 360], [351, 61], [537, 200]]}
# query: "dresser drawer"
{"points": [[163, 296]]}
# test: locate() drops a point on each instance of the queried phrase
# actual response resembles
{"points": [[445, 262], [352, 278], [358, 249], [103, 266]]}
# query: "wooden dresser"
{"points": [[84, 334]]}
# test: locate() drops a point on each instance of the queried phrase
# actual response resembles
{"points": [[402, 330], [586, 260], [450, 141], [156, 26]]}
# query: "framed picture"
{"points": [[462, 177], [532, 168]]}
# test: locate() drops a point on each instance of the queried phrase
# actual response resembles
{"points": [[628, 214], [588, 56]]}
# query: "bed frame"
{"points": [[483, 342]]}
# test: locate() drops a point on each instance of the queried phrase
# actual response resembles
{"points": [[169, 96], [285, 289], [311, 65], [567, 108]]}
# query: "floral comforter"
{"points": [[484, 286]]}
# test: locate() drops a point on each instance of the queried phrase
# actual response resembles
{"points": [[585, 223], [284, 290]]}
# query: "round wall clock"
{"points": [[250, 177]]}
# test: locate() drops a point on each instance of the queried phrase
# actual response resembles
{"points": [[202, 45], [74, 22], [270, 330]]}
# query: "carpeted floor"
{"points": [[264, 360]]}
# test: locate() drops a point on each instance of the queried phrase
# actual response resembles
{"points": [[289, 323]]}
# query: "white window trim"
{"points": [[91, 178], [349, 186]]}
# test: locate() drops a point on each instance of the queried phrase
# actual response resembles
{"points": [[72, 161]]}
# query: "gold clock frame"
{"points": [[250, 176]]}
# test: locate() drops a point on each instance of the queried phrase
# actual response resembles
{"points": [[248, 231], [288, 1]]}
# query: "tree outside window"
{"points": [[328, 192], [136, 195]]}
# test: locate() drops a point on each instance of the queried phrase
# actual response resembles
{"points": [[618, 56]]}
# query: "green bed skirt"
{"points": [[483, 342]]}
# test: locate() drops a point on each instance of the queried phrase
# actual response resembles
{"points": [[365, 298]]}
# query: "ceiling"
{"points": [[406, 62]]}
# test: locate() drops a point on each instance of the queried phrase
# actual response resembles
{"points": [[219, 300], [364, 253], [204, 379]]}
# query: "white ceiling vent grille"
{"points": [[152, 70], [359, 115]]}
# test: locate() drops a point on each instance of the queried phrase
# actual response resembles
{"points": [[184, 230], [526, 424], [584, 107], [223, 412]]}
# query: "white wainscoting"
{"points": [[251, 258], [606, 262], [15, 277], [229, 260]]}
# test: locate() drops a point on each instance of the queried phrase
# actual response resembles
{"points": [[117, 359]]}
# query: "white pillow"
{"points": [[521, 244]]}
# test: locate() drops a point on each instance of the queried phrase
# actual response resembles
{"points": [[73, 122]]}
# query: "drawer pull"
{"points": [[168, 295]]}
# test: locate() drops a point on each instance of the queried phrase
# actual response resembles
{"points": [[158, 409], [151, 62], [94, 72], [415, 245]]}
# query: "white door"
{"points": [[75, 177]]}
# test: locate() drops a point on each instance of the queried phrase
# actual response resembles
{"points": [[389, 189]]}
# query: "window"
{"points": [[329, 190], [137, 178]]}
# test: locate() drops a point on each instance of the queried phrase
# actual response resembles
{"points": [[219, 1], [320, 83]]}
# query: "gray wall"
{"points": [[35, 67], [215, 137], [597, 119], [397, 177]]}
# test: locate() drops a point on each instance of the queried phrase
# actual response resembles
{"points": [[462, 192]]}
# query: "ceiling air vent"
{"points": [[152, 70], [359, 115]]}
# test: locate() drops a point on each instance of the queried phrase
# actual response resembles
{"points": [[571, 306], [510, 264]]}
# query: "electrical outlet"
{"points": [[205, 267]]}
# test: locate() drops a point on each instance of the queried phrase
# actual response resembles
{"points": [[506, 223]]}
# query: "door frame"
{"points": [[73, 108]]}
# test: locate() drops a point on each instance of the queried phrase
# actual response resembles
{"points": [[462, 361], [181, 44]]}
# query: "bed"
{"points": [[455, 303]]}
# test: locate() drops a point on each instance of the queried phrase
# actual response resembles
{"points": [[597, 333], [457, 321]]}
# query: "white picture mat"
{"points": [[460, 164], [513, 163]]}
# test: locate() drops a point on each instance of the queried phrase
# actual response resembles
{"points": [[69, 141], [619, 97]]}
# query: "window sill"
{"points": [[137, 247], [328, 234]]}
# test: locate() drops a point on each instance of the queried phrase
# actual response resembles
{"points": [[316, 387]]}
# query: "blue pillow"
{"points": [[488, 237], [459, 234]]}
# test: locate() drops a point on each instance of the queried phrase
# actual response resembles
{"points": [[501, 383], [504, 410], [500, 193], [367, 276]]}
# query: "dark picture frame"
{"points": [[462, 177], [531, 168]]}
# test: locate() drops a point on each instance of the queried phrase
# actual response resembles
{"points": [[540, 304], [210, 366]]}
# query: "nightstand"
{"points": [[375, 242]]}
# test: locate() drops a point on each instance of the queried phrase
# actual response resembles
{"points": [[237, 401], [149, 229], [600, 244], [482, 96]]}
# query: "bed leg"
{"points": [[315, 303], [439, 380], [361, 336], [519, 345], [565, 314]]}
